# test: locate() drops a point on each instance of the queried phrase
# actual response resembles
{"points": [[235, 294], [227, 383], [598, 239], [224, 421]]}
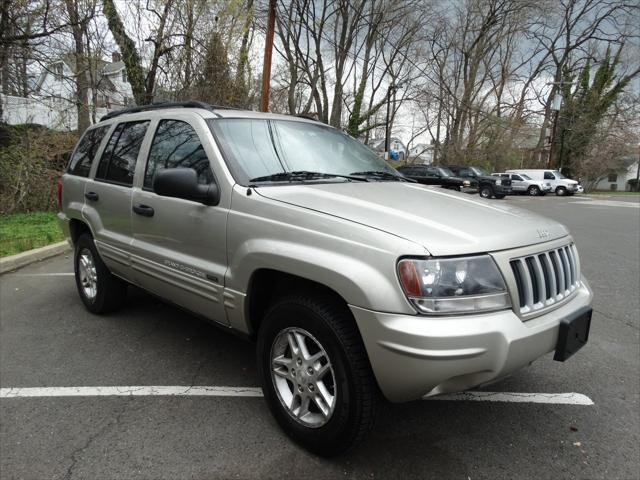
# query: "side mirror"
{"points": [[183, 183]]}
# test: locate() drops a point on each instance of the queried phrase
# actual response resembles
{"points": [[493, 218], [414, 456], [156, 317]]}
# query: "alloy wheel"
{"points": [[303, 377], [87, 273]]}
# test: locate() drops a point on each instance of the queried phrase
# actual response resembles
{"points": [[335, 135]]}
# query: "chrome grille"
{"points": [[546, 278]]}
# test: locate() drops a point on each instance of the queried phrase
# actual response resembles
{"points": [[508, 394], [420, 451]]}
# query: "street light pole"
{"points": [[268, 50]]}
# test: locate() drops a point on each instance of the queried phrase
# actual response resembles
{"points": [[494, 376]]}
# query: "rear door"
{"points": [[108, 195], [180, 245]]}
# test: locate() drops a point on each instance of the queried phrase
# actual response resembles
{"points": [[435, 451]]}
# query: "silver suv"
{"points": [[355, 282], [522, 183]]}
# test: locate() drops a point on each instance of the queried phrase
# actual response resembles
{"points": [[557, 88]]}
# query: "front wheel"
{"points": [[561, 191], [486, 192], [534, 191], [315, 374]]}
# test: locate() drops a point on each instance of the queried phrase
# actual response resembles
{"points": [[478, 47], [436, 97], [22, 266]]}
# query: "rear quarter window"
{"points": [[86, 150]]}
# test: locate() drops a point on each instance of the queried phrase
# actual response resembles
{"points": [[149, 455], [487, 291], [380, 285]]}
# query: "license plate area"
{"points": [[573, 334]]}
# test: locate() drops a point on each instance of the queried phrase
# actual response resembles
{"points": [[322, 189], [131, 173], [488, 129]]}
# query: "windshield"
{"points": [[526, 177], [479, 171], [445, 172], [258, 148], [558, 174]]}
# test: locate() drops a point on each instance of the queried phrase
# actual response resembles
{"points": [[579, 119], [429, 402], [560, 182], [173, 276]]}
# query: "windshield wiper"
{"points": [[302, 175], [382, 174]]}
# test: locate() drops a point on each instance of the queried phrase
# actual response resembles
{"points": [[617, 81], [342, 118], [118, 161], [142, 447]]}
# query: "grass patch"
{"points": [[20, 232]]}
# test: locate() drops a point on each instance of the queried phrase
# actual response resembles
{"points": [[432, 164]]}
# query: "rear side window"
{"points": [[84, 154], [177, 145], [118, 161]]}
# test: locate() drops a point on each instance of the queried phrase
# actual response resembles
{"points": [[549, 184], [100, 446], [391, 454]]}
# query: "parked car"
{"points": [[560, 184], [352, 280], [432, 175], [488, 186], [522, 183]]}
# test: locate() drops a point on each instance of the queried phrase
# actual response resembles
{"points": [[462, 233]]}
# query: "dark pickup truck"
{"points": [[430, 175], [488, 186]]}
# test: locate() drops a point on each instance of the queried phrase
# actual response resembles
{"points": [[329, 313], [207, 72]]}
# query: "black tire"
{"points": [[356, 392], [500, 196], [561, 191], [110, 290], [534, 190], [486, 191]]}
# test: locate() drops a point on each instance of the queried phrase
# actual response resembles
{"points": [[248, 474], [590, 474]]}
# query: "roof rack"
{"points": [[160, 106]]}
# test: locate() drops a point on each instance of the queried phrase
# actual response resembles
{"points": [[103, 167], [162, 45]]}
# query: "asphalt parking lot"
{"points": [[47, 339]]}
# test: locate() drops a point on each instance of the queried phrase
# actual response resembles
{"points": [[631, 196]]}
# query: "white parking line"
{"points": [[571, 398], [213, 391], [608, 203], [39, 274]]}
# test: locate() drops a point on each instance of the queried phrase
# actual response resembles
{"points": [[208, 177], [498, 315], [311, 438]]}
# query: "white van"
{"points": [[559, 183]]}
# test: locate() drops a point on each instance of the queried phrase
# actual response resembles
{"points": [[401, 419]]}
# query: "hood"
{"points": [[444, 222]]}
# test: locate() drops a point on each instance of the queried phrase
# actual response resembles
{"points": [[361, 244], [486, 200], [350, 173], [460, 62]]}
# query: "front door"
{"points": [[108, 195], [518, 184], [180, 245]]}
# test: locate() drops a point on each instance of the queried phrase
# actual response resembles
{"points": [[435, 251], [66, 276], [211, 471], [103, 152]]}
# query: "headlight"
{"points": [[498, 182], [440, 286]]}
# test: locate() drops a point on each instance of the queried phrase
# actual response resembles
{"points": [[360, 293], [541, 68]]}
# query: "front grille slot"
{"points": [[546, 278]]}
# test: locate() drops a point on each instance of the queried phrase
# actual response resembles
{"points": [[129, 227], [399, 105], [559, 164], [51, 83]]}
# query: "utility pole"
{"points": [[638, 172], [393, 88], [557, 105], [268, 49]]}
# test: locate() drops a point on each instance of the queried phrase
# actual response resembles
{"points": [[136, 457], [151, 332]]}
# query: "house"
{"points": [[108, 79], [52, 103], [619, 180], [422, 153], [396, 147]]}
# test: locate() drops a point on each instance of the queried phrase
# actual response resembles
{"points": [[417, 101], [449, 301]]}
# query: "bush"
{"points": [[32, 158]]}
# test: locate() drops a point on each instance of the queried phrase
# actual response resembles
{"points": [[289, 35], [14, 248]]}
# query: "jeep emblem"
{"points": [[543, 233]]}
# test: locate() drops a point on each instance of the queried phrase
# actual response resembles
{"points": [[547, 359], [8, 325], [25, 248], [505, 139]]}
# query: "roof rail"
{"points": [[160, 106], [307, 116]]}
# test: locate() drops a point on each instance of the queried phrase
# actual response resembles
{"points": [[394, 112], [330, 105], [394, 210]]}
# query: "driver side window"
{"points": [[549, 176], [177, 145]]}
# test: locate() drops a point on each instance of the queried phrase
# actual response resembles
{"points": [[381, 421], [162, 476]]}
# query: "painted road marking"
{"points": [[571, 398], [213, 391], [39, 274], [607, 203]]}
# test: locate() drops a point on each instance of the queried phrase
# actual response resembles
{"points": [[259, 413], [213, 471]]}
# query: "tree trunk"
{"points": [[130, 55], [79, 30]]}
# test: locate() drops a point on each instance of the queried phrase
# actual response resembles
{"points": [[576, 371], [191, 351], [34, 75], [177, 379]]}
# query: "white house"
{"points": [[423, 153], [619, 180], [395, 145], [52, 103]]}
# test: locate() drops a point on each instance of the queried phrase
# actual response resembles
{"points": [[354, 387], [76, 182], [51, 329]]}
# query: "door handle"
{"points": [[93, 196], [144, 210]]}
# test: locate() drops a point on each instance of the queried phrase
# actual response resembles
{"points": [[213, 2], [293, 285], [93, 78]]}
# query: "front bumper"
{"points": [[413, 356], [502, 189]]}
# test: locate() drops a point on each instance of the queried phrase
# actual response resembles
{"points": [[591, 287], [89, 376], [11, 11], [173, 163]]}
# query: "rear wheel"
{"points": [[100, 291], [315, 373], [486, 191], [534, 190], [561, 191]]}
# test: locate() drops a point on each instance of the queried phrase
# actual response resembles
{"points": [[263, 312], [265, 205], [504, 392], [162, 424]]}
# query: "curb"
{"points": [[30, 256]]}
